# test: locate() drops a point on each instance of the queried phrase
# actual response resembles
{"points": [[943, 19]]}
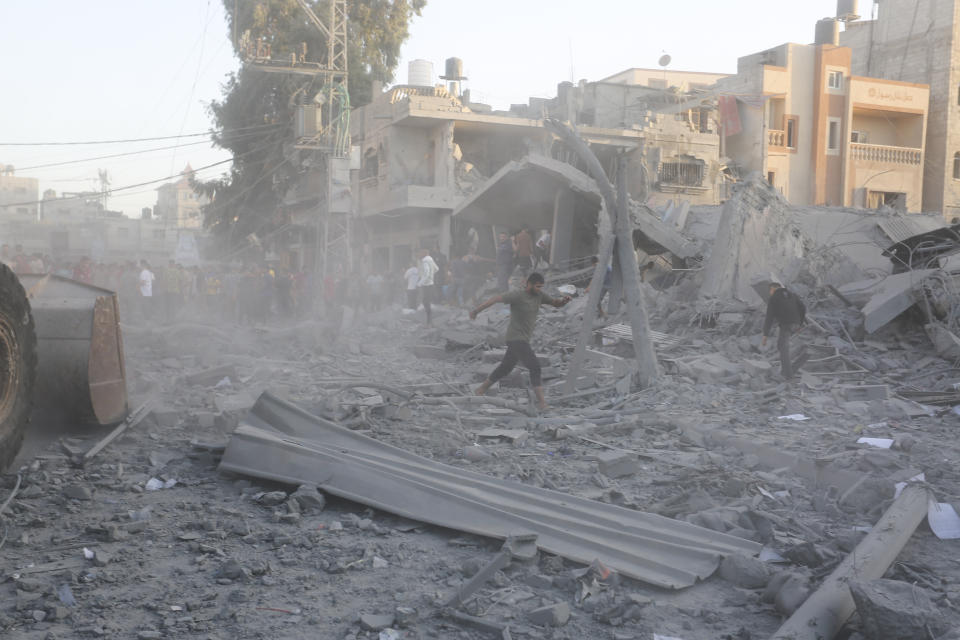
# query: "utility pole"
{"points": [[326, 128]]}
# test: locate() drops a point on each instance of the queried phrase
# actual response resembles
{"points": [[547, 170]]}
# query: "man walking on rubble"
{"points": [[786, 310], [427, 271], [524, 308]]}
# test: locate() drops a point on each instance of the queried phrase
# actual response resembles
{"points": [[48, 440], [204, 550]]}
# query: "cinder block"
{"points": [[863, 392], [615, 464]]}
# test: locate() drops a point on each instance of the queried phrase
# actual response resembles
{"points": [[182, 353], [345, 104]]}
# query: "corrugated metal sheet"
{"points": [[281, 442], [624, 332], [897, 229]]}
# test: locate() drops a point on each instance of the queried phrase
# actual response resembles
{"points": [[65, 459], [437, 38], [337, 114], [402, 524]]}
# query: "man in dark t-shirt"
{"points": [[524, 308]]}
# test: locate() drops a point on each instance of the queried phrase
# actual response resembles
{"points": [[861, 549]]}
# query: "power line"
{"points": [[129, 153], [185, 135], [143, 184], [113, 155]]}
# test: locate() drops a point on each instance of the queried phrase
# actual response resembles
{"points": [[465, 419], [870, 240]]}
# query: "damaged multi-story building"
{"points": [[822, 135], [918, 41], [433, 164]]}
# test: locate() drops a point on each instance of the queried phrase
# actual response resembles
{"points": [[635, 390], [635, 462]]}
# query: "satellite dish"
{"points": [[665, 60]]}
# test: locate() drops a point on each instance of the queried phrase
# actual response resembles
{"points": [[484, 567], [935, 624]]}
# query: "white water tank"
{"points": [[420, 73]]}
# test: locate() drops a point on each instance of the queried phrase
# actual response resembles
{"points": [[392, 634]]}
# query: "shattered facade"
{"points": [[824, 136], [424, 153]]}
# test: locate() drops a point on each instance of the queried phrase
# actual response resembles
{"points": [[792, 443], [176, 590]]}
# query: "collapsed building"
{"points": [[432, 164]]}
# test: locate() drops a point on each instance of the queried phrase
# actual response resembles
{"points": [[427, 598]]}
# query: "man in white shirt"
{"points": [[146, 288], [412, 277], [427, 270]]}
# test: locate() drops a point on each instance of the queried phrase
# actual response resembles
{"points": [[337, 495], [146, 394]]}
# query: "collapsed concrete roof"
{"points": [[524, 192], [760, 234]]}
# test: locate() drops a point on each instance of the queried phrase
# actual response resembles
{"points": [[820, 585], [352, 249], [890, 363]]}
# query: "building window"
{"points": [[688, 172], [835, 80], [791, 129], [833, 136], [956, 166], [860, 137], [771, 178]]}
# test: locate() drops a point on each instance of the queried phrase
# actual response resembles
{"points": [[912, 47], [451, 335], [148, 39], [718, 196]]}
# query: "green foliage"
{"points": [[257, 109]]}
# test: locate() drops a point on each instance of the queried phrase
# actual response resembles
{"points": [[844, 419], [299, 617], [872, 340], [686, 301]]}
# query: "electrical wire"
{"points": [[148, 182], [132, 153], [185, 135]]}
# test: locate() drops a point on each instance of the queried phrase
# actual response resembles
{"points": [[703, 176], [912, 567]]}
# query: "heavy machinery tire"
{"points": [[18, 365]]}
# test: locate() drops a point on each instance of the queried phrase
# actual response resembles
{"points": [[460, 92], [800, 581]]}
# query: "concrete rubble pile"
{"points": [[340, 480]]}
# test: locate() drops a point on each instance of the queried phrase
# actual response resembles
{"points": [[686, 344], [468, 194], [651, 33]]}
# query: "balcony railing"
{"points": [[777, 138], [882, 153]]}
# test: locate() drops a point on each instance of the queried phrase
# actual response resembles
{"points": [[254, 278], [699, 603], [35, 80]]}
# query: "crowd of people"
{"points": [[247, 294], [255, 293]]}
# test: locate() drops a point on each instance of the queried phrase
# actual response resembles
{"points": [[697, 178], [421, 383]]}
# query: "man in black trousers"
{"points": [[524, 308], [785, 309]]}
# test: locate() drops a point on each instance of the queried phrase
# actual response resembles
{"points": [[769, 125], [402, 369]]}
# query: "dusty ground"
{"points": [[210, 557]]}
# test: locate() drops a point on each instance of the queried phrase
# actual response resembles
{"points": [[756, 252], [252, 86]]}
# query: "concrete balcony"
{"points": [[777, 138], [374, 199], [886, 154]]}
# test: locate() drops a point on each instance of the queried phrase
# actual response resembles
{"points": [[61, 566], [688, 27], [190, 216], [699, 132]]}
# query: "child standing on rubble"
{"points": [[524, 308]]}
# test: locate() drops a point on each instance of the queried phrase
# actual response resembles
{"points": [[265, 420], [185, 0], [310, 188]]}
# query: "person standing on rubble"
{"points": [[427, 271], [505, 262], [523, 250], [524, 308], [786, 310]]}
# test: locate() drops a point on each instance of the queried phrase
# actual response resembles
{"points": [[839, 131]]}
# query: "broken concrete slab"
{"points": [[862, 392], [887, 297], [281, 442], [745, 571], [210, 377], [553, 615], [895, 610], [944, 341], [825, 612]]}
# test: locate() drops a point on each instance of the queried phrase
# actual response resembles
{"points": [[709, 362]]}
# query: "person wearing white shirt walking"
{"points": [[412, 277], [146, 288], [427, 270]]}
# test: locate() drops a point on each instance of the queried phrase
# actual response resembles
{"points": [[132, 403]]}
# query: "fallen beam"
{"points": [[825, 612], [132, 420], [281, 442]]}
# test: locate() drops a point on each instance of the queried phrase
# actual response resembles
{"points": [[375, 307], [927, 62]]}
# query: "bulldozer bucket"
{"points": [[79, 348]]}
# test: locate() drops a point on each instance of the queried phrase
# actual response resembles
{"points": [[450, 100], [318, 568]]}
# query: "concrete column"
{"points": [[563, 212], [444, 239]]}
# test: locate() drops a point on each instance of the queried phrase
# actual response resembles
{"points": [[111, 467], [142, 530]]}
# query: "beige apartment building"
{"points": [[919, 41], [822, 135], [179, 205], [666, 78], [18, 195]]}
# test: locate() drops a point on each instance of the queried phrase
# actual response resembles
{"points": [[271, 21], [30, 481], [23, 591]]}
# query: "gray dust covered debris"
{"points": [[368, 493]]}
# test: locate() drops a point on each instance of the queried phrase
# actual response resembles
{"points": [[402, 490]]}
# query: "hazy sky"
{"points": [[120, 69]]}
